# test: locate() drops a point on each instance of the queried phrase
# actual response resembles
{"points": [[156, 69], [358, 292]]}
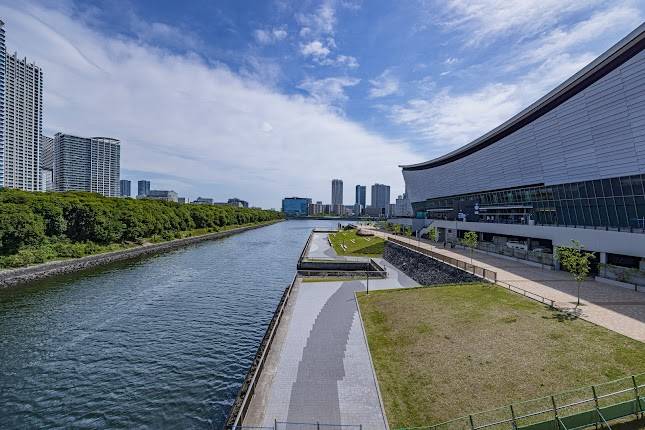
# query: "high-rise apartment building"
{"points": [[3, 54], [361, 195], [87, 164], [143, 188], [46, 163], [22, 119], [336, 192], [381, 198], [126, 188]]}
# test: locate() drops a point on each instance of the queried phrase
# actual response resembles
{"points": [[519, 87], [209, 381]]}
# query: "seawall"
{"points": [[22, 275]]}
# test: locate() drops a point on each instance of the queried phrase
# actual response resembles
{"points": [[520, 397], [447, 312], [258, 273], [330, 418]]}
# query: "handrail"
{"points": [[449, 260]]}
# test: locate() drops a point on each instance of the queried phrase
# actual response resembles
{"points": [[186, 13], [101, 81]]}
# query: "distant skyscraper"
{"points": [[87, 164], [143, 188], [336, 192], [125, 186], [22, 122], [381, 198], [361, 193]]}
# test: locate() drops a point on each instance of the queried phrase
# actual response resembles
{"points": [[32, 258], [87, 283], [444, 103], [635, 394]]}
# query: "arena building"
{"points": [[569, 167]]}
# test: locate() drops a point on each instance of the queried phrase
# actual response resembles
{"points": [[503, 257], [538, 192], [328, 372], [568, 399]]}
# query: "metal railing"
{"points": [[479, 271], [287, 425], [576, 408], [528, 294]]}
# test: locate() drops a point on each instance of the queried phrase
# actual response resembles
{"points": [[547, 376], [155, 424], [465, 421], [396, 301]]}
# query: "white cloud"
{"points": [[544, 50], [211, 131], [607, 24], [485, 20], [450, 120], [266, 37], [328, 91], [340, 61], [315, 49], [384, 85], [319, 23]]}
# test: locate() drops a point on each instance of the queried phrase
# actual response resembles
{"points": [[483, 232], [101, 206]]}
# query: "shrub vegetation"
{"points": [[37, 227]]}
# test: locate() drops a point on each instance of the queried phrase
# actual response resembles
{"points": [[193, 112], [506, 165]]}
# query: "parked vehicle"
{"points": [[517, 245]]}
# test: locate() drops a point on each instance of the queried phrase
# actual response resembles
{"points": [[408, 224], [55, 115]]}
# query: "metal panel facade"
{"points": [[598, 133]]}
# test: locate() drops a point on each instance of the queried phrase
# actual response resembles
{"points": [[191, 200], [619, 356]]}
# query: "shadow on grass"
{"points": [[564, 314], [630, 425]]}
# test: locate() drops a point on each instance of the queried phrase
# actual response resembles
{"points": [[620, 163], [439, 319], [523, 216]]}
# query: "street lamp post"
{"points": [[368, 282]]}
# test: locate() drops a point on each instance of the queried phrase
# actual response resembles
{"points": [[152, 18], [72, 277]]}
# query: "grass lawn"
{"points": [[357, 245], [444, 352]]}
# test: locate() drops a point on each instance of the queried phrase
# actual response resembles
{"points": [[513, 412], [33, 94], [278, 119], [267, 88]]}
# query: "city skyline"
{"points": [[402, 108]]}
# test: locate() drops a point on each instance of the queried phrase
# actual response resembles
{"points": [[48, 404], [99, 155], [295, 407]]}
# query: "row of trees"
{"points": [[31, 219]]}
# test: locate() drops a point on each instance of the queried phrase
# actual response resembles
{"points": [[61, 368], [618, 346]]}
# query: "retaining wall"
{"points": [[23, 275], [424, 269]]}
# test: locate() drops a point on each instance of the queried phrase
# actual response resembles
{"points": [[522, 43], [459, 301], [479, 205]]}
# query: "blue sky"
{"points": [[264, 99]]}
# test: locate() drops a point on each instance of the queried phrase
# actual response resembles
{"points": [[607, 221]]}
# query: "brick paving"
{"points": [[616, 308]]}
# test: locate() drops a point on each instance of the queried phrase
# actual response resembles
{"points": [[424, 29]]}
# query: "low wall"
{"points": [[11, 277], [424, 269]]}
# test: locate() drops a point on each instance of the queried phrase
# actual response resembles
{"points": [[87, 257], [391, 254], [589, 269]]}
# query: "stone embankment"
{"points": [[11, 277], [424, 269]]}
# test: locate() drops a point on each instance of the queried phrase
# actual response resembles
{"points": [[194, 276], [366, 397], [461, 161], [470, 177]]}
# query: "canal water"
{"points": [[162, 342]]}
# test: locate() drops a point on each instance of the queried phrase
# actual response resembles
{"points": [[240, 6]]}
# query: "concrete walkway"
{"points": [[618, 309], [320, 248], [319, 368]]}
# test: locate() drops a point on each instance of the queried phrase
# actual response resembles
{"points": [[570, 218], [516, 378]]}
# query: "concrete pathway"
{"points": [[319, 368], [618, 309], [320, 248]]}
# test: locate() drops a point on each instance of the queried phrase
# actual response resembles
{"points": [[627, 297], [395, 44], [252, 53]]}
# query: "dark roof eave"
{"points": [[615, 56]]}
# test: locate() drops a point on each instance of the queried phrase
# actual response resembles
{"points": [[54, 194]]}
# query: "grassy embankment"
{"points": [[355, 245], [40, 227], [445, 352], [49, 251]]}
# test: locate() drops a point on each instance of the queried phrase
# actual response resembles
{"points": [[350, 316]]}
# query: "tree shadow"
{"points": [[569, 314]]}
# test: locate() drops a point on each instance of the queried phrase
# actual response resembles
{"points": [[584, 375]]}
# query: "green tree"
{"points": [[407, 231], [575, 261], [432, 235], [470, 241], [19, 227]]}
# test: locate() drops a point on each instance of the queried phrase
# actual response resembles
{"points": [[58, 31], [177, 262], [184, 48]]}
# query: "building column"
{"points": [[556, 264], [641, 265], [603, 258]]}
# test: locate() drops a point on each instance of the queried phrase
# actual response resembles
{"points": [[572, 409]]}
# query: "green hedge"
{"points": [[36, 227]]}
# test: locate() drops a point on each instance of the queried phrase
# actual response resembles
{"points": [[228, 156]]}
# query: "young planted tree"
{"points": [[433, 235], [407, 231], [575, 261], [470, 241], [396, 228]]}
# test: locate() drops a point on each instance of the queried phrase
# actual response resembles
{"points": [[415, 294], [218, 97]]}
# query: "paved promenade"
{"points": [[318, 368], [619, 309]]}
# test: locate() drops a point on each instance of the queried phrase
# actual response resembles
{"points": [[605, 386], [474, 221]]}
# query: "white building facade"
{"points": [[22, 123]]}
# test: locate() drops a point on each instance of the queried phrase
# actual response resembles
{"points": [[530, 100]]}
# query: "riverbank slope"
{"points": [[22, 275]]}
